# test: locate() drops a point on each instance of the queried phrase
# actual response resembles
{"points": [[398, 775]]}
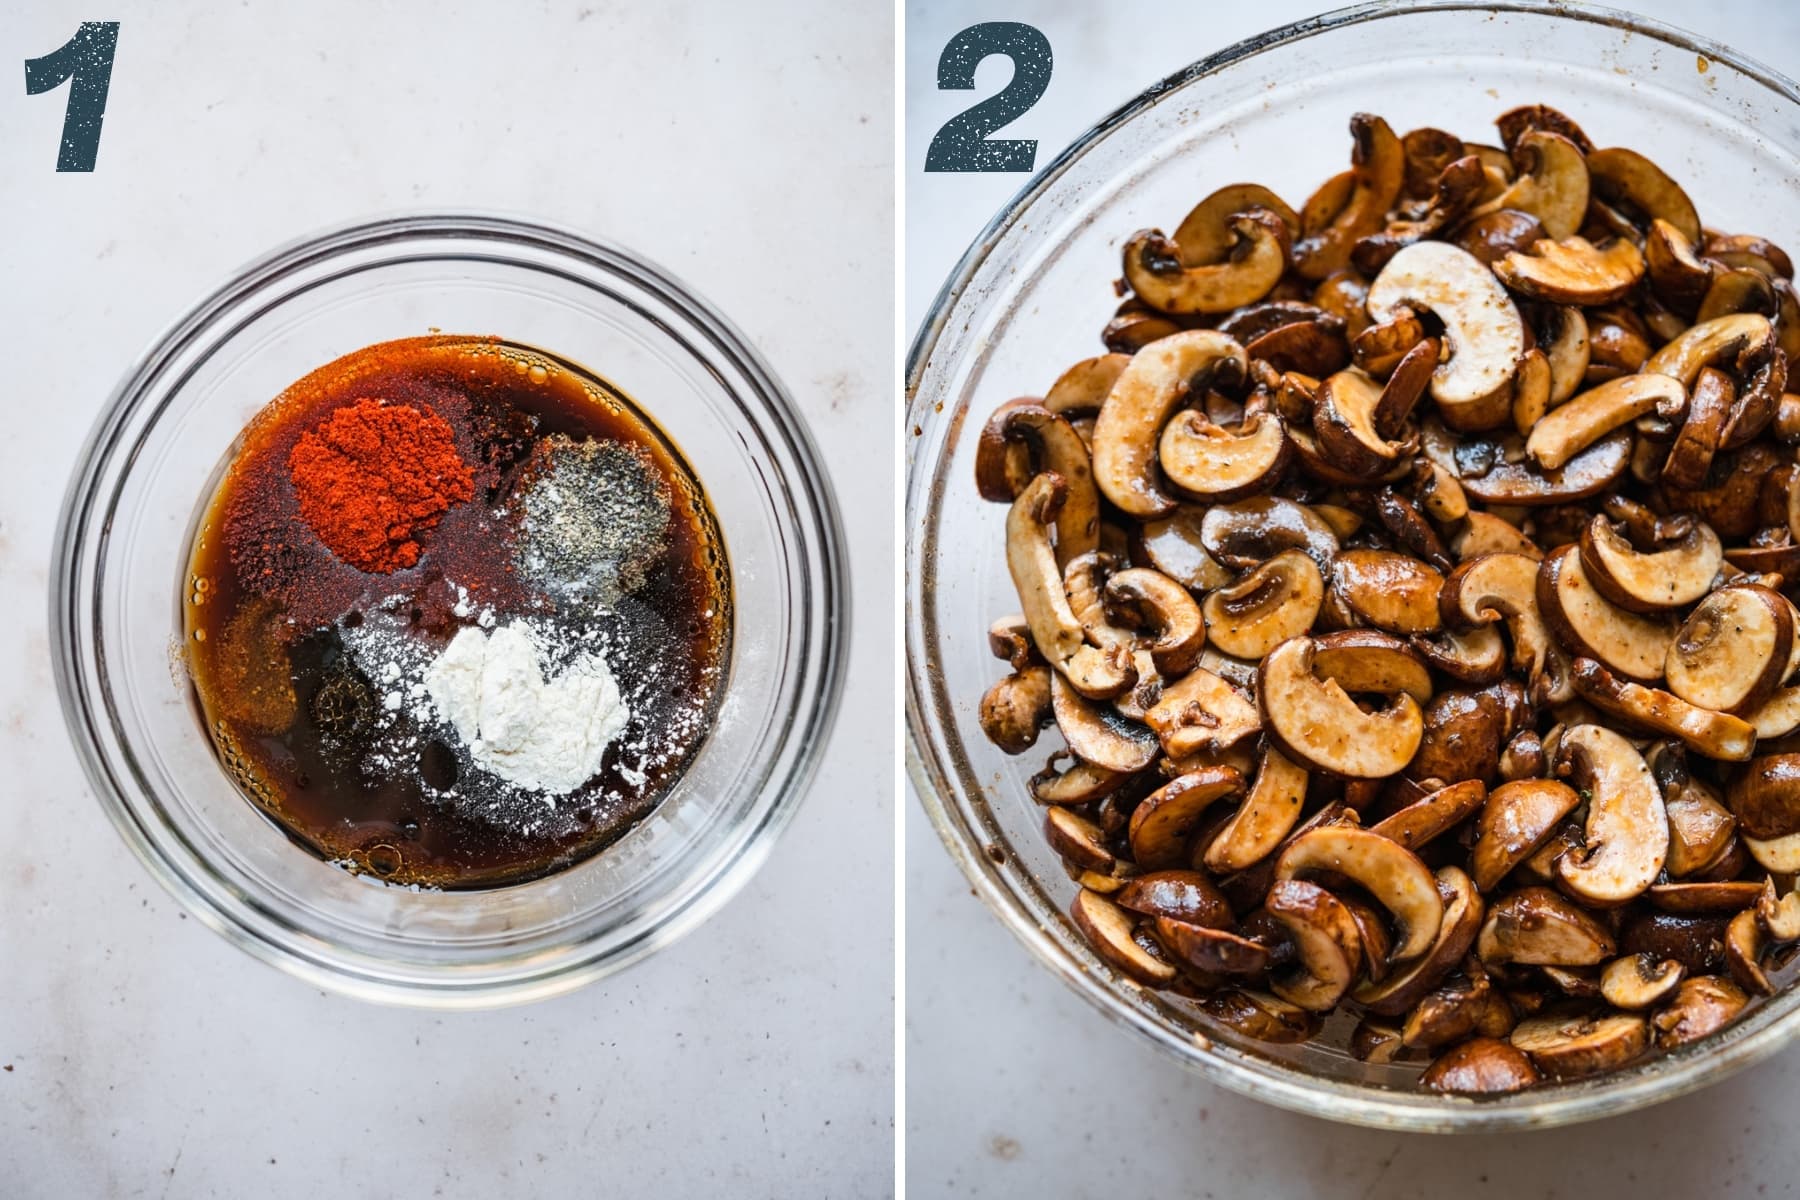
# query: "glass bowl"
{"points": [[153, 459], [1030, 297]]}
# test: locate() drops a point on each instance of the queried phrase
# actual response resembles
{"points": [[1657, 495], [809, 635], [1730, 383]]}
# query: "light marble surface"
{"points": [[142, 1054], [1015, 1087]]}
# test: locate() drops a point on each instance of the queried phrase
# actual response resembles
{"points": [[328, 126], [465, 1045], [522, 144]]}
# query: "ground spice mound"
{"points": [[373, 476]]}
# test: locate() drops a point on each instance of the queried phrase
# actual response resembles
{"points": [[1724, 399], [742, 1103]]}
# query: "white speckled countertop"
{"points": [[144, 1056], [1015, 1087]]}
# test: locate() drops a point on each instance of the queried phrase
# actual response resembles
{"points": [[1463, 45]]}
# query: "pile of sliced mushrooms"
{"points": [[1409, 586]]}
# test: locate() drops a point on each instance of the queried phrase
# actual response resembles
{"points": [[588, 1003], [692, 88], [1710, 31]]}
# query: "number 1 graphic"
{"points": [[87, 59]]}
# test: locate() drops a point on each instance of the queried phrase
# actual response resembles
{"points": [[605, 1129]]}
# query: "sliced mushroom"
{"points": [[1702, 1006], [1248, 532], [1573, 271], [1381, 347], [1517, 819], [1716, 735], [1480, 1066], [1458, 186], [1278, 600], [1765, 797], [1316, 347], [1157, 274], [1464, 732], [1449, 1013], [1315, 722], [1733, 651], [1015, 708], [1375, 1041], [1172, 545], [1779, 917], [1500, 473], [1482, 328], [1057, 634], [1588, 624], [1388, 871], [1082, 389], [1439, 812], [1080, 842], [1056, 447], [1552, 184], [1640, 981], [1096, 734], [1677, 274], [1179, 895], [1484, 533], [1327, 944], [1159, 378], [1628, 181], [1377, 174], [1563, 433], [1515, 123], [1475, 656], [1079, 784], [1009, 639], [1350, 413], [1387, 590], [1266, 816], [1208, 462], [1260, 1016], [1206, 234], [1650, 582], [1210, 951], [1502, 587], [1200, 713], [1160, 825], [1457, 928], [1491, 236], [1571, 1046], [1627, 832], [1152, 600], [1110, 930], [1363, 660], [1536, 926], [1700, 826]]}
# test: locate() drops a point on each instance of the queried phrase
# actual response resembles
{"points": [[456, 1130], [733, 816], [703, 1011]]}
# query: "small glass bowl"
{"points": [[153, 459], [1030, 297]]}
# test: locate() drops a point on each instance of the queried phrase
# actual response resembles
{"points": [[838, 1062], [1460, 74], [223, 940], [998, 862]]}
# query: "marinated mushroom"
{"points": [[1268, 813], [1015, 708], [1328, 947], [1316, 723], [1055, 632], [1110, 930], [1627, 831], [1273, 602], [1702, 1006], [1574, 1045], [1148, 391], [1635, 645], [1650, 581], [1573, 271], [1161, 823], [1536, 926], [1205, 461], [1151, 599], [1733, 650], [1480, 1066], [1640, 981], [1158, 276], [1383, 868], [1518, 818]]}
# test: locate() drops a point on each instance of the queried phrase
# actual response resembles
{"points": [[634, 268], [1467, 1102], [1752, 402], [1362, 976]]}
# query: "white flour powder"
{"points": [[545, 735]]}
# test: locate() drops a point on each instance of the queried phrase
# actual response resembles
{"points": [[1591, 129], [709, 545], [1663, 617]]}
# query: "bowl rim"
{"points": [[1265, 1080], [808, 487]]}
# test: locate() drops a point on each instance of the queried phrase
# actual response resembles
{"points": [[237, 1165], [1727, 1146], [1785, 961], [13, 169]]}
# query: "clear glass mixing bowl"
{"points": [[1030, 297], [154, 458]]}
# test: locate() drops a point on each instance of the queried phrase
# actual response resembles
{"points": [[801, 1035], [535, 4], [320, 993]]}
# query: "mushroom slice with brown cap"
{"points": [[1482, 1066], [1316, 723], [1696, 942], [1587, 623], [1409, 983], [1500, 587], [1083, 388], [1744, 341], [1777, 716], [1531, 390], [1700, 826], [1677, 274], [1380, 348], [1260, 1016], [1498, 472], [1080, 783], [1159, 378], [1482, 328], [1564, 432], [1055, 446], [1211, 951], [1388, 871], [1080, 842], [1573, 271], [1377, 174], [1152, 600], [1439, 812], [1201, 712], [1484, 533], [1491, 236], [1765, 797], [1640, 981], [1780, 855], [1161, 823], [1733, 650], [1266, 816], [1702, 1006], [1365, 660], [1714, 896], [1110, 930], [1172, 545], [1473, 656], [1390, 591], [1344, 422], [1206, 235], [1316, 347], [1015, 708], [1458, 187], [1278, 600], [1515, 123], [1210, 462], [1716, 735], [1326, 942], [1571, 1046], [1627, 832], [1179, 895], [1375, 1041], [1626, 179], [1097, 734], [1779, 917], [1667, 578], [1536, 926], [1157, 274], [1552, 183], [1058, 635], [1747, 249], [1450, 1012], [1009, 639], [1246, 533]]}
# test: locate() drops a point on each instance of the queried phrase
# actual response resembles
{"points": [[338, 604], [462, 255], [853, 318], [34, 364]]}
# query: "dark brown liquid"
{"points": [[272, 617]]}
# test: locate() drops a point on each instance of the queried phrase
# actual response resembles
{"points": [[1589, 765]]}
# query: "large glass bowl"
{"points": [[1030, 297], [153, 459]]}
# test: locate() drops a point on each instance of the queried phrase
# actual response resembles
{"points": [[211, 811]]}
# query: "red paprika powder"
{"points": [[373, 476]]}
